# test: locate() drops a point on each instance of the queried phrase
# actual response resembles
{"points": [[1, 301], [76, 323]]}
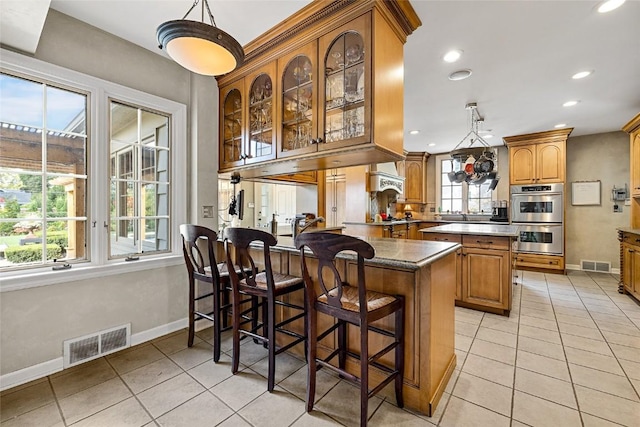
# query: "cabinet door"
{"points": [[629, 254], [261, 140], [635, 165], [635, 272], [414, 181], [298, 102], [485, 277], [522, 164], [336, 198], [345, 78], [550, 162], [231, 125]]}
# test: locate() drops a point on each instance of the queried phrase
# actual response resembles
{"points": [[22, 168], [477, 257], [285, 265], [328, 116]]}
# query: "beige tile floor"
{"points": [[568, 355]]}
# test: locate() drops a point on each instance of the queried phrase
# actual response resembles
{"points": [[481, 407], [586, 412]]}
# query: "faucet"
{"points": [[297, 229], [464, 217]]}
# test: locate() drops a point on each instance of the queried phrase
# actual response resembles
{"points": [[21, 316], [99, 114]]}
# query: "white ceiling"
{"points": [[522, 54]]}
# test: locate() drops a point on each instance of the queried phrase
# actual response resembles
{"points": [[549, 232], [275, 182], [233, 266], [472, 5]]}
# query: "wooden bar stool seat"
{"points": [[349, 305], [265, 286]]}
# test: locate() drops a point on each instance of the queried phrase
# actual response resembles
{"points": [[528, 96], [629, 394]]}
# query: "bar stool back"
{"points": [[266, 286], [204, 268], [349, 304]]}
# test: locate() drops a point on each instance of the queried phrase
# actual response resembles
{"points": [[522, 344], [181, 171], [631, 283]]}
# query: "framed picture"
{"points": [[585, 193]]}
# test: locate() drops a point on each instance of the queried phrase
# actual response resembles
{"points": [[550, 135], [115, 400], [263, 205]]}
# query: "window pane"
{"points": [[26, 205], [446, 192], [139, 171], [456, 205], [446, 166], [21, 102], [66, 111], [457, 191]]}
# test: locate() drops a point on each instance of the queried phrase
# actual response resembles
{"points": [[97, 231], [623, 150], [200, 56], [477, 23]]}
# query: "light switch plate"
{"points": [[207, 212], [627, 202]]}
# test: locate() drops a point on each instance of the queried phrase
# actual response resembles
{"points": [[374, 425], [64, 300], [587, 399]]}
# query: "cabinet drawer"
{"points": [[442, 237], [539, 261], [631, 238], [486, 242]]}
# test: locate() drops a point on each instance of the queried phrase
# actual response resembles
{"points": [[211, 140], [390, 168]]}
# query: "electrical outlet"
{"points": [[627, 202]]}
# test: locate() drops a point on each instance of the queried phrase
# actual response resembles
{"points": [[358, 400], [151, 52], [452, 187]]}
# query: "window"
{"points": [[43, 173], [456, 197], [139, 180], [67, 195]]}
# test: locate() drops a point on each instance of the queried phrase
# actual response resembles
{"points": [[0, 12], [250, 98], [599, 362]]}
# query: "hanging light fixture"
{"points": [[200, 47]]}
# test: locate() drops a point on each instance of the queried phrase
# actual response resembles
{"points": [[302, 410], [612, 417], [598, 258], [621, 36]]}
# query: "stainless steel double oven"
{"points": [[538, 210]]}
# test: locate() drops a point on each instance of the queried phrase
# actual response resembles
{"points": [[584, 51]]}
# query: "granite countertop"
{"points": [[399, 253], [475, 229], [629, 230], [394, 222]]}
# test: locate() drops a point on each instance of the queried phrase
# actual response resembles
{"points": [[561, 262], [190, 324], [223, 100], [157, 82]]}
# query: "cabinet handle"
{"points": [[320, 141], [314, 141], [637, 240], [490, 242]]}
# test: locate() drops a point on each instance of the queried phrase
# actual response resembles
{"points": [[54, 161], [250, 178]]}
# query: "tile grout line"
{"points": [[515, 360], [56, 400]]}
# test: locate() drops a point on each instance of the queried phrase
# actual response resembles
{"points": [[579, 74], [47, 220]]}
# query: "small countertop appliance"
{"points": [[499, 211]]}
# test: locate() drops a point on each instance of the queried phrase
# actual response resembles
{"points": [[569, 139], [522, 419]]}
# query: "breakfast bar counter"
{"points": [[425, 274]]}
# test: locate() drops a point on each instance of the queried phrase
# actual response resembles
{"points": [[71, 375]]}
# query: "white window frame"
{"points": [[100, 91], [465, 188]]}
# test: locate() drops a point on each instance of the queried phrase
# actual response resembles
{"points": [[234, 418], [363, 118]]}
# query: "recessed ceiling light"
{"points": [[433, 144], [570, 103], [452, 56], [336, 162], [414, 132], [560, 125], [459, 75], [487, 136], [581, 75], [609, 5]]}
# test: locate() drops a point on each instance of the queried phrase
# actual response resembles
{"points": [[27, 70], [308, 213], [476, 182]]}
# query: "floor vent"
{"points": [[92, 346], [597, 266]]}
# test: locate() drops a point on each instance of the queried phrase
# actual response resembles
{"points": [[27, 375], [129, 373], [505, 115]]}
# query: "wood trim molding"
{"points": [[633, 125], [538, 137]]}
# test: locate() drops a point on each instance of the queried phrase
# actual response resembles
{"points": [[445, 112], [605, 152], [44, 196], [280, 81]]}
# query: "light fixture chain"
{"points": [[195, 3], [213, 21]]}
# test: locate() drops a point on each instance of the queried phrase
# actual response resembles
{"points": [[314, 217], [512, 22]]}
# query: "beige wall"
{"points": [[591, 230], [36, 321]]}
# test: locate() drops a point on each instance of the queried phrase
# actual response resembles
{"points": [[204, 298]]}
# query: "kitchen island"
{"points": [[425, 274], [484, 263]]}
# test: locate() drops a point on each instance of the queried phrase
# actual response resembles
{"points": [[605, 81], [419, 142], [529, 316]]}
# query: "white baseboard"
{"points": [[22, 376], [31, 373]]}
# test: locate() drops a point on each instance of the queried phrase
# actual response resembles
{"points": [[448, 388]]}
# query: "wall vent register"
{"points": [[92, 346]]}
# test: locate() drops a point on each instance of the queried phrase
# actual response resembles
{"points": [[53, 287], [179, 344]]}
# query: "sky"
{"points": [[21, 102]]}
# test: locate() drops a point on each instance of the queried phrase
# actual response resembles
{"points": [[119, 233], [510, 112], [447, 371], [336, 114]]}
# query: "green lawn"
{"points": [[11, 240]]}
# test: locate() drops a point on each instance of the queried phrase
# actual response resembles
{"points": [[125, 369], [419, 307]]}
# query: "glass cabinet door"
{"points": [[297, 104], [232, 147], [260, 120], [345, 88]]}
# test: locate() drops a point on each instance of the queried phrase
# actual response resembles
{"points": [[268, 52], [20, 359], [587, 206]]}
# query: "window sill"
{"points": [[46, 276]]}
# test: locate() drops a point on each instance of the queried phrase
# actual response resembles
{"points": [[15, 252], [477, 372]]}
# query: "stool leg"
{"points": [[235, 357], [216, 322], [271, 344], [342, 344], [306, 322], [311, 357], [399, 336], [364, 374], [192, 308]]}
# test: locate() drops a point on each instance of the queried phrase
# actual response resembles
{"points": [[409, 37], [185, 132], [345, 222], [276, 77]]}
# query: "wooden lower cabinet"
{"points": [[486, 279], [484, 271], [550, 263], [630, 274]]}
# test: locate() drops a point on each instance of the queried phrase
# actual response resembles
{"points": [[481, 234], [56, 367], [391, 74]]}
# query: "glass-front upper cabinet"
{"points": [[298, 106], [260, 121], [346, 77], [232, 149]]}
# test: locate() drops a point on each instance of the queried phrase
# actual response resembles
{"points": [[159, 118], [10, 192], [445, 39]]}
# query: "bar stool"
{"points": [[266, 286], [200, 268], [353, 305]]}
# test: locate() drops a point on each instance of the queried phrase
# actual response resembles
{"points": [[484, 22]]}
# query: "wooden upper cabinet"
{"points": [[260, 121], [232, 146], [414, 170], [322, 89], [298, 101], [538, 158], [346, 99], [635, 165]]}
